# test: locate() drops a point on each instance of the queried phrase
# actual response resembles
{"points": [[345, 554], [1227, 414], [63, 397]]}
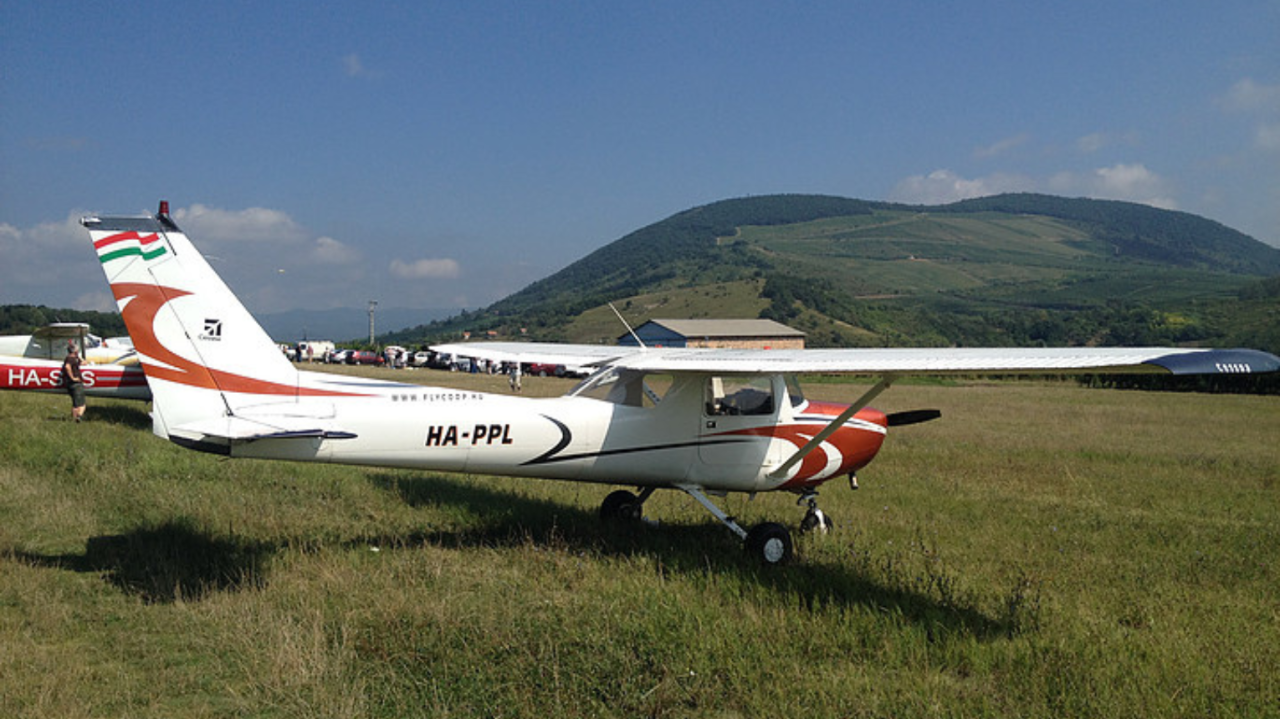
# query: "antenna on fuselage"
{"points": [[624, 324]]}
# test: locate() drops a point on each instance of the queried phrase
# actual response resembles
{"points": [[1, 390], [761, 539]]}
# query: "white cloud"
{"points": [[282, 265], [252, 224], [329, 251], [1127, 180], [1131, 183], [1095, 142], [1267, 137], [353, 66], [50, 263], [943, 186], [1001, 146], [1091, 143], [66, 233], [96, 301], [1261, 103], [425, 269], [1248, 96]]}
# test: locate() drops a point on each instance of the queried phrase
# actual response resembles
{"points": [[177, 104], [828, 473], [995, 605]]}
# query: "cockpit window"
{"points": [[631, 388], [750, 395]]}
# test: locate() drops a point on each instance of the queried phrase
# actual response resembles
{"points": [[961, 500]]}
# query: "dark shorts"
{"points": [[76, 390]]}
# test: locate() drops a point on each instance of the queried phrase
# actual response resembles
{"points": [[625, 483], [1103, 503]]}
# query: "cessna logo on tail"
{"points": [[212, 330]]}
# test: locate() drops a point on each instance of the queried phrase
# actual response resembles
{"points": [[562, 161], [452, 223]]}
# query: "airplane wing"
{"points": [[896, 362], [537, 352], [62, 330], [962, 360]]}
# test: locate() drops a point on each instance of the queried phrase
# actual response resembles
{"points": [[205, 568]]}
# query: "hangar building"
{"points": [[732, 334]]}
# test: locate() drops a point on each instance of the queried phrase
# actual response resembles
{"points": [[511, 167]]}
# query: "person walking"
{"points": [[74, 381]]}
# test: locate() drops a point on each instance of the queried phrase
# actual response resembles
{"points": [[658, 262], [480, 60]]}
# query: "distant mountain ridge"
{"points": [[1010, 269]]}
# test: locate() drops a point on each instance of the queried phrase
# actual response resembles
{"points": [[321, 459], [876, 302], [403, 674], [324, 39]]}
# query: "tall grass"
{"points": [[1043, 550]]}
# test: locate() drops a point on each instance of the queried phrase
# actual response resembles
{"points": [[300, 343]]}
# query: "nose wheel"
{"points": [[814, 519]]}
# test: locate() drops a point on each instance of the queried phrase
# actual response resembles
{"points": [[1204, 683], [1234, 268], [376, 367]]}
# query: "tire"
{"points": [[810, 523], [620, 506], [769, 543]]}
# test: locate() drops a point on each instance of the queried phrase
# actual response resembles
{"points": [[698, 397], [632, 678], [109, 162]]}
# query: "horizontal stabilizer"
{"points": [[243, 429]]}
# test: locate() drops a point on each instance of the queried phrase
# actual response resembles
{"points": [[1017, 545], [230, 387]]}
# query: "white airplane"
{"points": [[705, 422], [34, 362]]}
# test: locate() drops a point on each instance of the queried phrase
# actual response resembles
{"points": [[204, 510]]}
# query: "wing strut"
{"points": [[695, 491], [820, 437]]}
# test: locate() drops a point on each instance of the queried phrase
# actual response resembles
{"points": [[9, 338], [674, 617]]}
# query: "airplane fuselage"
{"points": [[124, 382], [676, 440]]}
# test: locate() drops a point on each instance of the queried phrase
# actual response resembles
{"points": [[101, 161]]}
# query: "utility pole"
{"points": [[372, 304]]}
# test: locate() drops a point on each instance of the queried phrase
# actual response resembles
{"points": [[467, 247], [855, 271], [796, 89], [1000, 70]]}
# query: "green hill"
{"points": [[25, 319], [1011, 269]]}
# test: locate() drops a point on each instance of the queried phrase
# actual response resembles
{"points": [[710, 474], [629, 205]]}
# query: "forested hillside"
{"points": [[677, 250], [23, 319]]}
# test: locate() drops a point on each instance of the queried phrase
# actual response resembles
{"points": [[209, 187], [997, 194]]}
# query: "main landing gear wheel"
{"points": [[623, 506], [769, 543]]}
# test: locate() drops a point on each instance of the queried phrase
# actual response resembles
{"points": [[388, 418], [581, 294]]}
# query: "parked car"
{"points": [[339, 356], [546, 369], [313, 350], [366, 357]]}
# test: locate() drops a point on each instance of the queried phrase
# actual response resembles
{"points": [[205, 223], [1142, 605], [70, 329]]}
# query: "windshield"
{"points": [[632, 388]]}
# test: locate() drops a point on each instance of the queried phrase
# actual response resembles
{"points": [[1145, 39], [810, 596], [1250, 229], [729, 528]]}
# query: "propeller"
{"points": [[915, 416]]}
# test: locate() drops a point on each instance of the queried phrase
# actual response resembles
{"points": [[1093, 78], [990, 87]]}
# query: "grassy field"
{"points": [[1042, 551]]}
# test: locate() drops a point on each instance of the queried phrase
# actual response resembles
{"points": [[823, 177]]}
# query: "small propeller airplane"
{"points": [[704, 422], [34, 362]]}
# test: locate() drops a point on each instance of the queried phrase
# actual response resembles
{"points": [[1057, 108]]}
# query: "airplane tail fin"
{"points": [[204, 355]]}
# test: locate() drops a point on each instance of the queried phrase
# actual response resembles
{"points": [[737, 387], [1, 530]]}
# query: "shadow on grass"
{"points": [[132, 416], [165, 563], [513, 520], [176, 560]]}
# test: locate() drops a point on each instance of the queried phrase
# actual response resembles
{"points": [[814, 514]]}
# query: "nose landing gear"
{"points": [[814, 519]]}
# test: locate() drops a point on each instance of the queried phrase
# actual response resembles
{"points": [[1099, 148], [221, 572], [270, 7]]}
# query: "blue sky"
{"points": [[446, 154]]}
